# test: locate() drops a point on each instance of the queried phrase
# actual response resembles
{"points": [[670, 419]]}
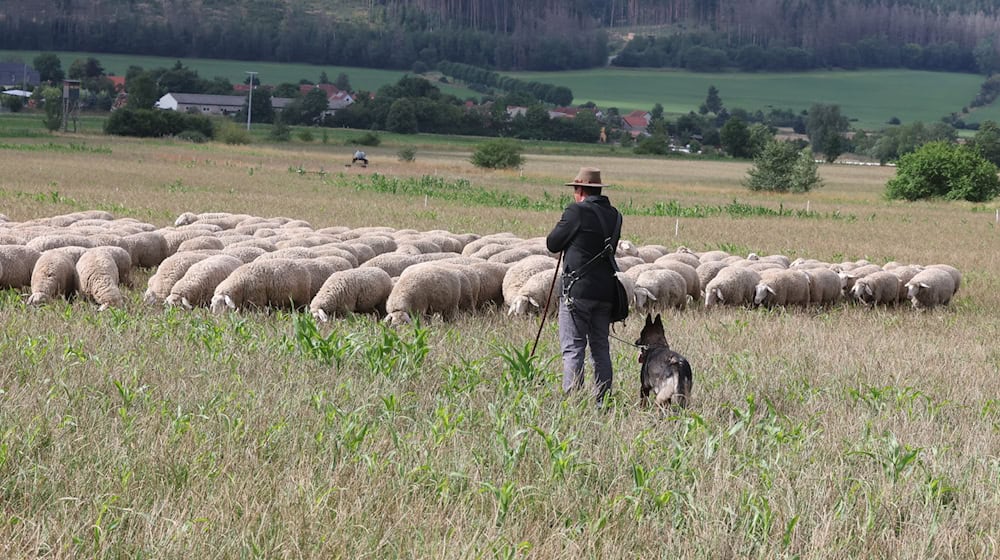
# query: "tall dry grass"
{"points": [[840, 433]]}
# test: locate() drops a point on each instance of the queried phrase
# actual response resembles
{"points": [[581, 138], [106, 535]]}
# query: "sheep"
{"points": [[956, 276], [779, 259], [707, 270], [516, 254], [54, 274], [905, 273], [686, 258], [393, 263], [491, 249], [16, 264], [245, 253], [417, 246], [782, 287], [379, 243], [629, 285], [649, 253], [54, 241], [357, 290], [824, 286], [197, 286], [490, 278], [877, 288], [201, 242], [122, 260], [147, 249], [666, 288], [534, 293], [633, 272], [520, 272], [472, 247], [931, 287], [625, 263], [98, 274], [709, 256], [362, 252], [170, 271], [469, 283], [320, 269], [174, 237], [849, 277], [626, 249], [264, 244], [74, 252], [424, 290], [733, 285], [689, 273], [260, 284]]}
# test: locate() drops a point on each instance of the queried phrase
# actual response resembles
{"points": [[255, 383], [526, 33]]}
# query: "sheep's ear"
{"points": [[532, 301], [322, 316], [868, 289], [229, 302], [770, 289], [719, 296], [924, 285], [510, 310], [187, 304]]}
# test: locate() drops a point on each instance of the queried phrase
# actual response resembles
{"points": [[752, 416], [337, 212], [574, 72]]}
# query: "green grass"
{"points": [[273, 73], [870, 96]]}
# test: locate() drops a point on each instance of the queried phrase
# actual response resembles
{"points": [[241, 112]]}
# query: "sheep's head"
{"points": [[149, 298], [523, 305], [398, 318], [38, 298], [643, 298], [762, 294], [221, 302], [320, 315]]}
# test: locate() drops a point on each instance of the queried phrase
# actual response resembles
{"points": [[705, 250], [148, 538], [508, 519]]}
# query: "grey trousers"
{"points": [[588, 323]]}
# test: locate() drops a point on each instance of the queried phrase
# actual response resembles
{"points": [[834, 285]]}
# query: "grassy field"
{"points": [[870, 97], [838, 433]]}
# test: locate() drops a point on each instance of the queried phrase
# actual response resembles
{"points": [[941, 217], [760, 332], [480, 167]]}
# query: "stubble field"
{"points": [[838, 433]]}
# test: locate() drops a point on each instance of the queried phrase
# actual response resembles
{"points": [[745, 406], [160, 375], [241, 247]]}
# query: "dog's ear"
{"points": [[649, 320], [658, 321]]}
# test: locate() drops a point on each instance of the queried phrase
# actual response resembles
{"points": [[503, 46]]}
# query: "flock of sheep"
{"points": [[229, 261]]}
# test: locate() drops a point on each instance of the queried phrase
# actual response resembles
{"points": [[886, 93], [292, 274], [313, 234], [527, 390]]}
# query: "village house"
{"points": [[18, 74]]}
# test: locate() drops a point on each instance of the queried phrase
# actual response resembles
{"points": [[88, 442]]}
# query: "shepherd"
{"points": [[586, 229], [360, 156]]}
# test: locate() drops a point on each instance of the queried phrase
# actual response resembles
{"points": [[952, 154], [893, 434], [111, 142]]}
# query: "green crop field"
{"points": [[871, 96], [159, 432]]}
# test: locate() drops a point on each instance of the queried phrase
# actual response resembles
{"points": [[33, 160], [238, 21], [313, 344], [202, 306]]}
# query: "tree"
{"points": [[760, 135], [402, 117], [735, 137], [49, 67], [987, 141], [285, 89], [782, 167], [342, 82], [53, 107], [323, 79], [85, 68], [825, 128], [712, 101], [944, 170], [142, 93], [262, 110]]}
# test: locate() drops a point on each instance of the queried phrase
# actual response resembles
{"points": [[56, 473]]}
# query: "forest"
{"points": [[526, 34]]}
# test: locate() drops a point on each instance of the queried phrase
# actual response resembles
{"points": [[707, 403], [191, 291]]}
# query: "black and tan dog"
{"points": [[665, 373]]}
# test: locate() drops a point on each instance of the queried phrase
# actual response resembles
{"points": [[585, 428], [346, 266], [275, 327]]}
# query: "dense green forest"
{"points": [[526, 34]]}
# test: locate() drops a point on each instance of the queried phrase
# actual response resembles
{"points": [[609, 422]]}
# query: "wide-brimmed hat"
{"points": [[587, 177]]}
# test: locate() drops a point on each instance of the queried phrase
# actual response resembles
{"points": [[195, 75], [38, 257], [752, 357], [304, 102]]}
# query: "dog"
{"points": [[664, 373]]}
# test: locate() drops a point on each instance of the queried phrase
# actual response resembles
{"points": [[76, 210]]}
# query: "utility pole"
{"points": [[250, 100]]}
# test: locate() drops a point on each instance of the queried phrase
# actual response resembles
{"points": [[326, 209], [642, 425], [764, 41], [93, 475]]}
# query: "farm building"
{"points": [[211, 104]]}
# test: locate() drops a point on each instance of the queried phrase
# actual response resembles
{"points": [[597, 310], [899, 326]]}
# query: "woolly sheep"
{"points": [[378, 243], [686, 258], [320, 269], [709, 256], [707, 270], [201, 242], [732, 286], [472, 247], [689, 273], [424, 290], [625, 263], [197, 286], [264, 244], [824, 286], [357, 290], [73, 252], [468, 299], [633, 272], [515, 254], [520, 272], [904, 274], [880, 287], [147, 249], [245, 254], [289, 253], [393, 263], [649, 253], [16, 264], [931, 287], [956, 276], [782, 287], [122, 260], [98, 275], [490, 277], [849, 277], [362, 252], [53, 275], [660, 288], [533, 294], [629, 286], [262, 284], [170, 271], [54, 241], [417, 246], [626, 249]]}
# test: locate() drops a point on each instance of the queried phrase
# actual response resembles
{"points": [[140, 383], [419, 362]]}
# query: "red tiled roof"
{"points": [[635, 122], [118, 81]]}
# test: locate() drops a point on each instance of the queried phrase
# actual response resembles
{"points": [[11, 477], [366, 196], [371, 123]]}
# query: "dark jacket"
{"points": [[580, 235]]}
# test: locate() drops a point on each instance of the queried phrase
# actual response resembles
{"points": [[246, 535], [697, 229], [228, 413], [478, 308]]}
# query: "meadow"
{"points": [[827, 433], [869, 97]]}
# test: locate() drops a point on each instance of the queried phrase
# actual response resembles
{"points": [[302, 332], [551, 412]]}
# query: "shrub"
{"points": [[367, 139], [944, 170], [194, 136], [233, 134], [652, 145], [408, 153], [155, 123], [280, 131], [306, 135], [783, 167], [498, 154]]}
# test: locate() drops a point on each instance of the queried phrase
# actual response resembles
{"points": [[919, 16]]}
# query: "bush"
{"points": [[367, 139], [498, 154], [233, 134], [783, 167], [305, 135], [152, 123], [944, 170], [194, 136], [280, 131], [652, 145], [407, 154]]}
